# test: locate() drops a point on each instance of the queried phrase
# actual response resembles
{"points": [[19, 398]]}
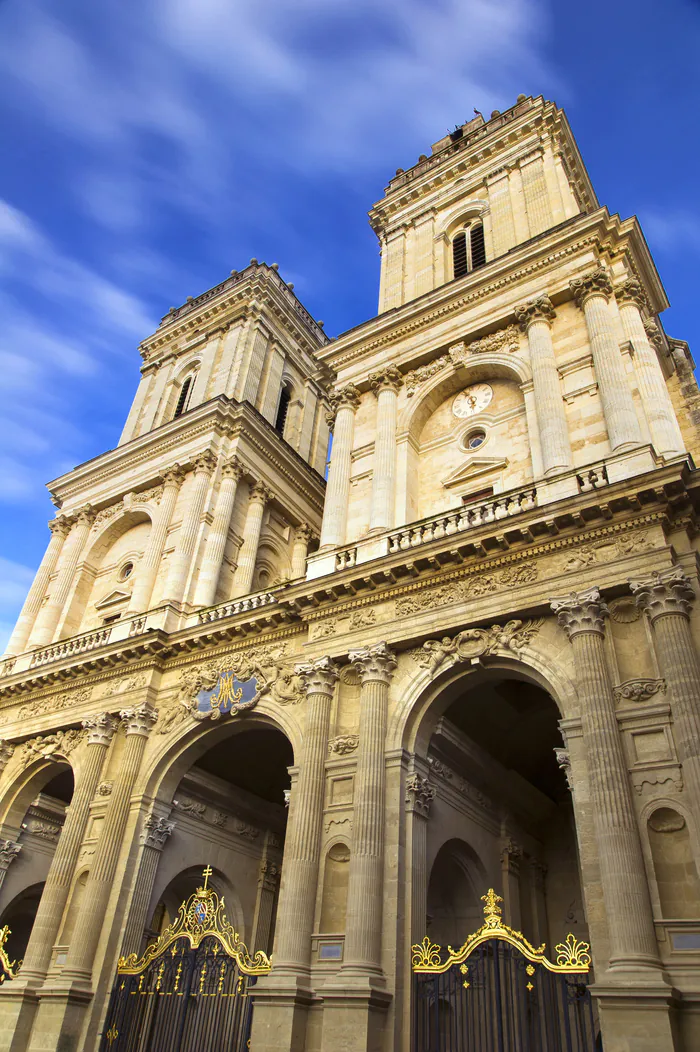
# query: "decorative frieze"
{"points": [[478, 642], [504, 340]]}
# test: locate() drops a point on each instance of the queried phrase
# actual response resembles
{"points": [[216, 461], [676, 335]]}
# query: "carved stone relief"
{"points": [[468, 588], [478, 642]]}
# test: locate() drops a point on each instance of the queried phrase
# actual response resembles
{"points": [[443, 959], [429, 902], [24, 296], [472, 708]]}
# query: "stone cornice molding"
{"points": [[539, 309], [319, 676], [388, 378], [375, 663], [664, 592], [100, 728], [631, 291], [581, 612], [139, 721], [597, 283]]}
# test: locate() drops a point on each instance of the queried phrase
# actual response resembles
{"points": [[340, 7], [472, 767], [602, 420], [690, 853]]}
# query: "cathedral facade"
{"points": [[468, 660]]}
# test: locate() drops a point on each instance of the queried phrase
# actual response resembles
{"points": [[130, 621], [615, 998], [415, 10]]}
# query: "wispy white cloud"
{"points": [[673, 230]]}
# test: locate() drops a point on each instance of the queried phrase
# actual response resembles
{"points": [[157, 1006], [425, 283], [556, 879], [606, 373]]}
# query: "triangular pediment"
{"points": [[112, 598], [474, 468]]}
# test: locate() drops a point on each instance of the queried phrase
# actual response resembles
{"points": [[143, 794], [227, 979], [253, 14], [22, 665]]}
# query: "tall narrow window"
{"points": [[184, 398], [459, 255], [477, 246], [282, 410], [468, 250]]}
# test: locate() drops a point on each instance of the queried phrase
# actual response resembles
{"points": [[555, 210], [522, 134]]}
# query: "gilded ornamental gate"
{"points": [[500, 994], [189, 991]]}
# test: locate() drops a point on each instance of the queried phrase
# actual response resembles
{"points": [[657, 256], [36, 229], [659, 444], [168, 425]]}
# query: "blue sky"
{"points": [[149, 148]]}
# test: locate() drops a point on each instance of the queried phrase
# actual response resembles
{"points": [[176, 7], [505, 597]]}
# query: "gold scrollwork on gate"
{"points": [[8, 968], [201, 916], [573, 955]]}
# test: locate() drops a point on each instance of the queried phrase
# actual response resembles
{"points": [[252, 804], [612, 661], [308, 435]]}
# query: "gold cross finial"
{"points": [[207, 873]]}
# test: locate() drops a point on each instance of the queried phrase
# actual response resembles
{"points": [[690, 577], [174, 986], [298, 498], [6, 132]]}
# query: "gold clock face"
{"points": [[472, 400]]}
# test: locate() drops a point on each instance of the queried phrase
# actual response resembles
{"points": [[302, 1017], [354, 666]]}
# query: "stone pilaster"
{"points": [[535, 319], [60, 528], [663, 425], [511, 859], [9, 850], [335, 511], [627, 905], [419, 797], [260, 495], [268, 884], [300, 549], [538, 901], [215, 547], [592, 293], [153, 837], [147, 569], [667, 598], [72, 550], [386, 385], [181, 559]]}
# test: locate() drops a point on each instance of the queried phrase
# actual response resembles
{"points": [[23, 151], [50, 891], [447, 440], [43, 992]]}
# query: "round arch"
{"points": [[25, 786], [451, 221]]}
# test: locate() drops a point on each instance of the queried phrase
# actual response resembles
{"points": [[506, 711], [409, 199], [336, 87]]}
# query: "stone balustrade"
{"points": [[346, 559], [592, 478], [238, 606], [70, 647], [470, 515]]}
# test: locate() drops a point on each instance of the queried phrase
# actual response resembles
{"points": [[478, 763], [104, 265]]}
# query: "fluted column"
{"points": [[592, 293], [60, 528], [93, 907], [153, 837], [663, 425], [386, 385], [419, 797], [215, 547], [100, 730], [625, 890], [335, 510], [260, 495], [667, 597], [363, 937], [149, 563], [300, 549], [9, 850], [535, 319], [181, 559], [268, 883], [73, 547], [302, 849]]}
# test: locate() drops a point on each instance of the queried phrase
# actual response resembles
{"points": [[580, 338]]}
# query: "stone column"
{"points": [[663, 425], [60, 528], [419, 797], [73, 547], [300, 550], [260, 495], [627, 905], [335, 510], [93, 908], [268, 882], [181, 559], [666, 597], [153, 838], [100, 730], [592, 293], [363, 937], [215, 547], [385, 384], [511, 858], [149, 563], [535, 319], [9, 850]]}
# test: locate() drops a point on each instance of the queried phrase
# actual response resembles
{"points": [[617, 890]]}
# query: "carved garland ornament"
{"points": [[506, 339], [478, 642]]}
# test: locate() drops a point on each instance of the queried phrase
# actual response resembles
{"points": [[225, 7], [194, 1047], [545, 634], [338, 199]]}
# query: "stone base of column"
{"points": [[638, 1018], [18, 1009], [280, 1014], [355, 1013], [60, 1019]]}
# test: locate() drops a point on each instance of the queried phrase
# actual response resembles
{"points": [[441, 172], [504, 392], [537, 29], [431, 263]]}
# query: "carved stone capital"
{"points": [[389, 378], [9, 851], [261, 493], [653, 334], [269, 875], [139, 721], [204, 463], [374, 663], [597, 283], [319, 676], [511, 857], [60, 526], [419, 795], [631, 291], [232, 469], [303, 533], [564, 762], [539, 309], [156, 831], [100, 728], [86, 515], [347, 397], [173, 476], [6, 751], [581, 612], [664, 592]]}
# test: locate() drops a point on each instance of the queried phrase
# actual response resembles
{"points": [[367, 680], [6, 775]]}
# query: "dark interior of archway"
{"points": [[517, 723], [19, 916], [60, 787], [256, 760]]}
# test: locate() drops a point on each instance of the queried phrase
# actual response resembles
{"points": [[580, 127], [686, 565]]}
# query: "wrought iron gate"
{"points": [[500, 994], [189, 991]]}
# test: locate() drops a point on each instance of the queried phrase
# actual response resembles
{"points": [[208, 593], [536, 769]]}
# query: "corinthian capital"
{"points": [[389, 378], [664, 592], [60, 526], [597, 283], [140, 720], [319, 676], [347, 396], [173, 476], [631, 291], [156, 831], [303, 533], [581, 612], [86, 515], [204, 463], [9, 851], [261, 493], [100, 728], [539, 309], [374, 663], [232, 469]]}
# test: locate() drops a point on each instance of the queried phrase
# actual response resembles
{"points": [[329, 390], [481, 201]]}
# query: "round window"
{"points": [[475, 439], [126, 571]]}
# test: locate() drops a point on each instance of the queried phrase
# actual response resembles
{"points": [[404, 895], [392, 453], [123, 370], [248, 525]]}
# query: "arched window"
{"points": [[283, 409], [183, 400], [468, 249]]}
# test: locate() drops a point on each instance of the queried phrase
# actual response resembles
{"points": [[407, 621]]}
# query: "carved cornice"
{"points": [[375, 663], [389, 378], [319, 676], [539, 309], [597, 283], [664, 592], [581, 612]]}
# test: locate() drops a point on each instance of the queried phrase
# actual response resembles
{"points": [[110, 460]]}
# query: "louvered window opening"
{"points": [[282, 410], [468, 250], [184, 398]]}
